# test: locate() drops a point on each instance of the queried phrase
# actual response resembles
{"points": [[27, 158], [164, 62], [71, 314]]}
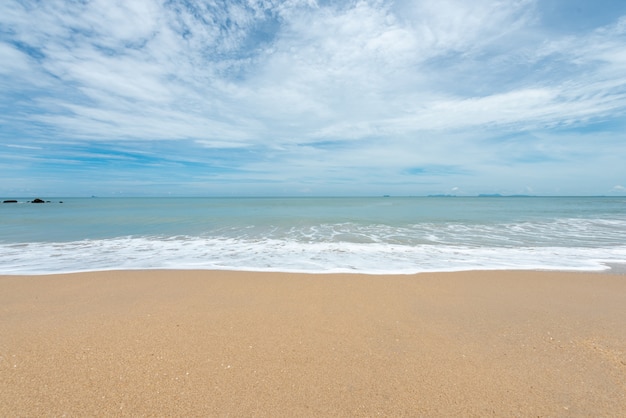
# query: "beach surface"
{"points": [[218, 343]]}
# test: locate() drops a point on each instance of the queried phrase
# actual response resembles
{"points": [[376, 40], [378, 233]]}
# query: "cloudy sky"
{"points": [[306, 97]]}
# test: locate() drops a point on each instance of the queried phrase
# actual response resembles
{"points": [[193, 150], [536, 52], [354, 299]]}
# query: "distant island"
{"points": [[500, 195], [481, 195], [37, 200]]}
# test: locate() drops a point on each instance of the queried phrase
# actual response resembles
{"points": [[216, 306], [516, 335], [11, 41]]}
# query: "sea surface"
{"points": [[376, 235]]}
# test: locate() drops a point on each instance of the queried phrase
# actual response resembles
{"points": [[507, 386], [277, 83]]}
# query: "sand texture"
{"points": [[204, 343]]}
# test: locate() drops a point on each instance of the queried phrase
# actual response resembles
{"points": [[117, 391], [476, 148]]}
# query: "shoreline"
{"points": [[612, 268], [616, 268], [213, 343]]}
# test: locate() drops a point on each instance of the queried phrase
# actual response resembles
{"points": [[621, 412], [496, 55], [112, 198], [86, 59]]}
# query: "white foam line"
{"points": [[289, 256]]}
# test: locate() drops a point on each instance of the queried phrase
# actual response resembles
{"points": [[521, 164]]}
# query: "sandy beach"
{"points": [[213, 343]]}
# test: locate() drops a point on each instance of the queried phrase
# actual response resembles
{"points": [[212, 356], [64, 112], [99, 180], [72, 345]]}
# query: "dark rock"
{"points": [[37, 201], [10, 201]]}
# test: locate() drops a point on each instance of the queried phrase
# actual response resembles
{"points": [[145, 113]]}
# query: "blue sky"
{"points": [[305, 97]]}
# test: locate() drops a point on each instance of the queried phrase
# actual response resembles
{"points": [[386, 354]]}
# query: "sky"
{"points": [[312, 97]]}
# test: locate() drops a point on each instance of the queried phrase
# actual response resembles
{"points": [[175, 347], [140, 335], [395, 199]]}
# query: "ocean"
{"points": [[375, 235]]}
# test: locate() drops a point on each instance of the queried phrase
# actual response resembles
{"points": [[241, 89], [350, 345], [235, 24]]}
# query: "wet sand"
{"points": [[210, 343]]}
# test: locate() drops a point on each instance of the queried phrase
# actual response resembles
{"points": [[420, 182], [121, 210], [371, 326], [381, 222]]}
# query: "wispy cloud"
{"points": [[318, 92]]}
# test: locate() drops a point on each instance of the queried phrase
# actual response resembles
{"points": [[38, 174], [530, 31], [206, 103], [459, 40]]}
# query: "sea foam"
{"points": [[292, 256]]}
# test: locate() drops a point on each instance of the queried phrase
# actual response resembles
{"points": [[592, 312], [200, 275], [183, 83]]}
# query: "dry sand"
{"points": [[204, 343]]}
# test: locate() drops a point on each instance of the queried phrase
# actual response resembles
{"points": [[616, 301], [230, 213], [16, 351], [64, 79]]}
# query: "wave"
{"points": [[290, 255]]}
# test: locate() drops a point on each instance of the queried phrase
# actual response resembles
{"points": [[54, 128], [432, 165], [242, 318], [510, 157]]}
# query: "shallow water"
{"points": [[367, 235]]}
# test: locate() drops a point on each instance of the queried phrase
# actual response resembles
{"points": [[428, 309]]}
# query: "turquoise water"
{"points": [[369, 235]]}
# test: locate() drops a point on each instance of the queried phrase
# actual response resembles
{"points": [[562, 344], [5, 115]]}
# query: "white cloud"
{"points": [[401, 83], [456, 25], [341, 71], [30, 147], [13, 60]]}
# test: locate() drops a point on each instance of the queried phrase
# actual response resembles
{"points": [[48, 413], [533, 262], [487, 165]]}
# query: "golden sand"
{"points": [[210, 343]]}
